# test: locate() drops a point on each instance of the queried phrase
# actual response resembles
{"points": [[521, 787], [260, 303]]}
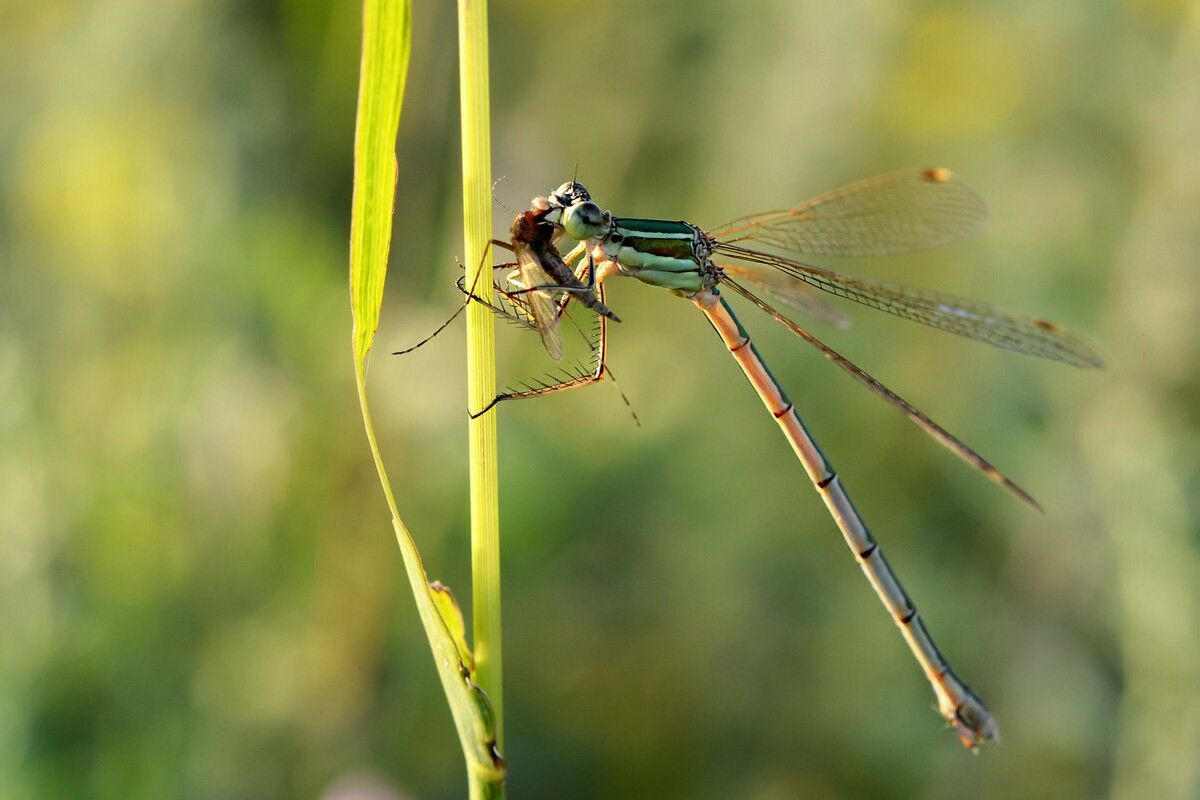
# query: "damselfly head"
{"points": [[583, 220], [569, 194]]}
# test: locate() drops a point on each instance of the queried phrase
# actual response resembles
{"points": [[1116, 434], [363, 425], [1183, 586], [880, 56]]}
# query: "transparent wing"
{"points": [[969, 318], [899, 212], [790, 292], [541, 305], [937, 432]]}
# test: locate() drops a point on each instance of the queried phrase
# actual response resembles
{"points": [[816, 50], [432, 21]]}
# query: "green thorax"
{"points": [[667, 253]]}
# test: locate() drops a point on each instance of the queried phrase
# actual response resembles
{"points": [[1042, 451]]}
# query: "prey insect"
{"points": [[533, 293], [542, 273]]}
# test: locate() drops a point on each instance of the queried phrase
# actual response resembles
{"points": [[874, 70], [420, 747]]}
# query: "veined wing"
{"points": [[541, 303], [790, 292], [898, 212], [969, 318], [937, 432], [509, 307]]}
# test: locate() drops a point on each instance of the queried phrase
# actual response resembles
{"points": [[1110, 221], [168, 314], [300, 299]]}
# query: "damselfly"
{"points": [[893, 213]]}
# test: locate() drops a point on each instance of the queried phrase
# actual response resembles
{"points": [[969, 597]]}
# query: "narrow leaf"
{"points": [[387, 33], [386, 39]]}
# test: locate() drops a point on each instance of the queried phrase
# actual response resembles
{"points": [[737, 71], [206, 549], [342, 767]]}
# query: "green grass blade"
{"points": [[481, 349], [387, 32], [386, 43]]}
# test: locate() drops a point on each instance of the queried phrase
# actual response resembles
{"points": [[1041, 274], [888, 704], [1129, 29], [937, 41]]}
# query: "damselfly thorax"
{"points": [[673, 255]]}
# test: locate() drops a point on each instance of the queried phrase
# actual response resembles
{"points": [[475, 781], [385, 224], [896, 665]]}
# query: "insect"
{"points": [[541, 273], [537, 283], [897, 212]]}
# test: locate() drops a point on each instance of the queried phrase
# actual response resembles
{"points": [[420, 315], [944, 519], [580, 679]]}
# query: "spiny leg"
{"points": [[507, 306], [508, 315], [570, 380], [587, 266], [519, 315]]}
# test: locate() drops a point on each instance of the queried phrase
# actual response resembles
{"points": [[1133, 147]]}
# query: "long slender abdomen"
{"points": [[958, 705]]}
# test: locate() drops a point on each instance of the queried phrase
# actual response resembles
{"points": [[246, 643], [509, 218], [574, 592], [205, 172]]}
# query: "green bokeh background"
{"points": [[200, 596]]}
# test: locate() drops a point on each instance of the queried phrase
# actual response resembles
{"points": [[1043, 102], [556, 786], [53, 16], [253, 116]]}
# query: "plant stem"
{"points": [[481, 354]]}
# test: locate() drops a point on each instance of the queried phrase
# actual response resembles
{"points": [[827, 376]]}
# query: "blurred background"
{"points": [[200, 595]]}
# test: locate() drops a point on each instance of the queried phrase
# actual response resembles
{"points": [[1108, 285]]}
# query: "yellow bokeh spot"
{"points": [[957, 74], [101, 196]]}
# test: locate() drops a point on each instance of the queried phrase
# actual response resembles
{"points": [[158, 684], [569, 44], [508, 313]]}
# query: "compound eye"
{"points": [[583, 221], [570, 193], [563, 194]]}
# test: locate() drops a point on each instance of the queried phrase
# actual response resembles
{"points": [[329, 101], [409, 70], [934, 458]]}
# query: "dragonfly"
{"points": [[903, 211]]}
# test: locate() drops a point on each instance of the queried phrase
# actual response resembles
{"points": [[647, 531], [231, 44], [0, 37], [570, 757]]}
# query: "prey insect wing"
{"points": [[540, 302]]}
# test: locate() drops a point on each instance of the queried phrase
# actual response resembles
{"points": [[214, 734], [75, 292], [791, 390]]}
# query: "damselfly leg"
{"points": [[566, 380]]}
